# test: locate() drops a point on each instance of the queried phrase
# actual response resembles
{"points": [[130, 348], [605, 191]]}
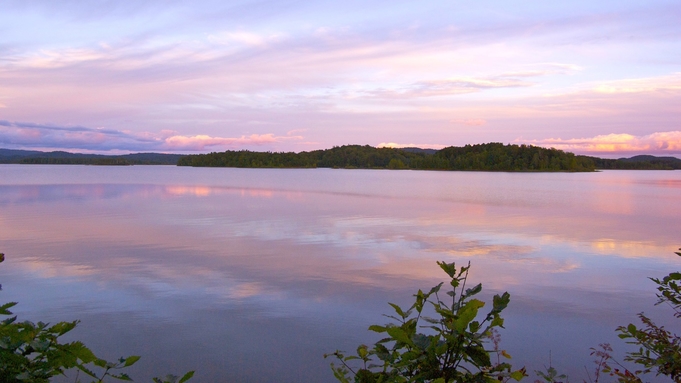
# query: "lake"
{"points": [[251, 275]]}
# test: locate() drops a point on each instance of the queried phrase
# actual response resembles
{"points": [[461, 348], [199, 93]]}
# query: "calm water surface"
{"points": [[251, 275]]}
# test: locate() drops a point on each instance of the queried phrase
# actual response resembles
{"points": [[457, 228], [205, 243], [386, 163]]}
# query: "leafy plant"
{"points": [[32, 353], [551, 375], [659, 350], [451, 349]]}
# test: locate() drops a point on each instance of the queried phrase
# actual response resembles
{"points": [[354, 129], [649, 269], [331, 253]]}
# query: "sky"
{"points": [[119, 76]]}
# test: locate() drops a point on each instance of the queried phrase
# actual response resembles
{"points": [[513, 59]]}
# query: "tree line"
{"points": [[638, 163], [10, 156], [74, 161], [485, 157]]}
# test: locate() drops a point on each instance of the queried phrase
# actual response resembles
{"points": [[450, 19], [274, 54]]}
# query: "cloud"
{"points": [[655, 143], [431, 88], [32, 135], [563, 67], [61, 58], [294, 131], [670, 82], [244, 38], [202, 142], [470, 122], [347, 78]]}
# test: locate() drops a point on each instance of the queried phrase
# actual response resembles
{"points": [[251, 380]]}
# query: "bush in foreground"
{"points": [[658, 350], [452, 349], [32, 353]]}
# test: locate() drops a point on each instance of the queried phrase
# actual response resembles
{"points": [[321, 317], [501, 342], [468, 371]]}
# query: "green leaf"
{"points": [[381, 351], [83, 353], [362, 351], [435, 289], [467, 313], [122, 377], [398, 310], [87, 371], [478, 356], [474, 290], [129, 361], [399, 335], [40, 345], [186, 377], [62, 328], [518, 375], [377, 328], [501, 302], [421, 341], [497, 321], [9, 321], [4, 308], [449, 268], [420, 299]]}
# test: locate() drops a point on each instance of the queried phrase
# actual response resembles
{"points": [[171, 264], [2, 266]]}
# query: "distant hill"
{"points": [[11, 156], [641, 162]]}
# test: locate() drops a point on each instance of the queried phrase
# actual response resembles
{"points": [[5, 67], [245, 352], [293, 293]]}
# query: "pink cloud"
{"points": [[201, 142], [78, 138], [471, 122], [655, 143], [671, 82], [294, 131], [448, 87]]}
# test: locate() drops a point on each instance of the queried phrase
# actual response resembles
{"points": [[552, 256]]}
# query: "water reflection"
{"points": [[220, 270]]}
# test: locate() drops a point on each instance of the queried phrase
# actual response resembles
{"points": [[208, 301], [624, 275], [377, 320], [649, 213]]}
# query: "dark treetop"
{"points": [[9, 156], [638, 163], [491, 157]]}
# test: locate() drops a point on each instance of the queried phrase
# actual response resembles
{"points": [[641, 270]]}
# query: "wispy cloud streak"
{"points": [[447, 87], [655, 143], [27, 134]]}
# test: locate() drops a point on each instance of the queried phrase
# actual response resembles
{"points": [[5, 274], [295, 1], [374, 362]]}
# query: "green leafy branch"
{"points": [[32, 353], [451, 349], [659, 350]]}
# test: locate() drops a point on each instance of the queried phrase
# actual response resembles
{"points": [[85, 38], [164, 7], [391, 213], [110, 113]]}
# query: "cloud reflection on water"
{"points": [[308, 250]]}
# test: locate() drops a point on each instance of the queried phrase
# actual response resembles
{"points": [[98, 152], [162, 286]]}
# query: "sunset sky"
{"points": [[596, 77]]}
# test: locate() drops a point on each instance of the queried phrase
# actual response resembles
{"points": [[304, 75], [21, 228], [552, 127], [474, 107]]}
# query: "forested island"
{"points": [[488, 157], [481, 157]]}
